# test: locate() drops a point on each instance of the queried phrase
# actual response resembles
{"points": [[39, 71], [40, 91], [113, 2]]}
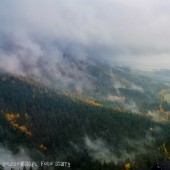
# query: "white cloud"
{"points": [[7, 158], [122, 31]]}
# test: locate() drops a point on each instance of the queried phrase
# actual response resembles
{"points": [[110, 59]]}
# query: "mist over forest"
{"points": [[85, 83]]}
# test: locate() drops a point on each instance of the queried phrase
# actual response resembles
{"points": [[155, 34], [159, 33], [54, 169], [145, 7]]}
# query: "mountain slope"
{"points": [[54, 126], [91, 78]]}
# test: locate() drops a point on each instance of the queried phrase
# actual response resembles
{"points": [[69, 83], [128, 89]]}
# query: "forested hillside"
{"points": [[53, 126]]}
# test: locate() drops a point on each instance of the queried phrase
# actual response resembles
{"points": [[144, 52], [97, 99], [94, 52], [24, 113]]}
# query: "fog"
{"points": [[99, 150], [134, 33], [6, 156]]}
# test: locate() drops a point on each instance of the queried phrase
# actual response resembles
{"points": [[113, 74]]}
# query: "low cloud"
{"points": [[128, 148], [99, 151], [6, 156], [131, 106], [127, 84], [132, 33]]}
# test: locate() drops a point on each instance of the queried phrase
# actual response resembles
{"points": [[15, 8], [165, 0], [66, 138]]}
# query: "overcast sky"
{"points": [[130, 32]]}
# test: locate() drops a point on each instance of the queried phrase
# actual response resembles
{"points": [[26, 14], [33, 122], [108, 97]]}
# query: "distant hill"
{"points": [[91, 78], [162, 72]]}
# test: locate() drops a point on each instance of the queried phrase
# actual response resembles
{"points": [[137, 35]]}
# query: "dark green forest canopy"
{"points": [[60, 123]]}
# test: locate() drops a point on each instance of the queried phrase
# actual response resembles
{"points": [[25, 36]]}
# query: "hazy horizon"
{"points": [[132, 33]]}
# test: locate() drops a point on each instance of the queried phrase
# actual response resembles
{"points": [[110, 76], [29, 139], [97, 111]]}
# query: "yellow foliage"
{"points": [[11, 116], [42, 148], [162, 119], [12, 120], [23, 129], [116, 98], [165, 152], [93, 103], [15, 125], [128, 166], [29, 134], [167, 113]]}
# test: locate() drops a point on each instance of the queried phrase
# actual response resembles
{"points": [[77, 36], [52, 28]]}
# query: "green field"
{"points": [[167, 97]]}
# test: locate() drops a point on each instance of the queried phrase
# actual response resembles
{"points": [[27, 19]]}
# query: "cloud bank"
{"points": [[122, 32], [100, 151]]}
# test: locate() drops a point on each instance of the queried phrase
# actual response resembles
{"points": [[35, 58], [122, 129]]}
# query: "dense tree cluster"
{"points": [[58, 125]]}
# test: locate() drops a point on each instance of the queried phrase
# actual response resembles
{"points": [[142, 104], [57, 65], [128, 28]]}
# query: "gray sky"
{"points": [[130, 32]]}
